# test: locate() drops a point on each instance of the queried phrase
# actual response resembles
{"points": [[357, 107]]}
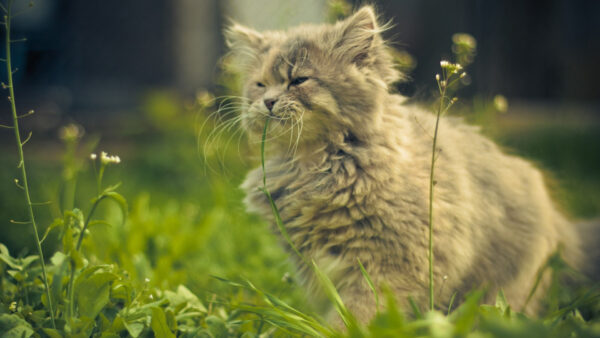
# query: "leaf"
{"points": [[25, 262], [57, 223], [171, 320], [159, 324], [415, 308], [334, 296], [7, 258], [369, 282], [53, 333], [121, 201], [59, 260], [14, 326], [184, 296], [98, 222], [92, 289], [134, 328], [109, 335], [465, 315], [67, 240], [82, 326], [73, 218], [502, 304], [451, 303], [111, 188], [216, 326]]}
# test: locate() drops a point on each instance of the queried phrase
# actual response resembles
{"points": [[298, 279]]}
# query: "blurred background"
{"points": [[136, 78]]}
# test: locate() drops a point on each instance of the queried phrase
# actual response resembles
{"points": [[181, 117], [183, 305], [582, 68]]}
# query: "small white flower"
{"points": [[147, 280], [463, 75], [444, 63], [93, 156], [437, 77], [443, 83], [106, 159]]}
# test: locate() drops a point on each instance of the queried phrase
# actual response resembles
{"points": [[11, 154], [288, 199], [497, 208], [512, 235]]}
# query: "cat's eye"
{"points": [[298, 81], [260, 84]]}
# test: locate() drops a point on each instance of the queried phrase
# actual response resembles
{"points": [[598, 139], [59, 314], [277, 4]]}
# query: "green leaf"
{"points": [[465, 315], [14, 326], [68, 240], [111, 188], [183, 296], [118, 325], [415, 308], [369, 282], [57, 223], [60, 262], [95, 223], [159, 324], [334, 296], [53, 333], [216, 326], [134, 328], [121, 201], [81, 326], [502, 304], [73, 218], [8, 259], [171, 320], [109, 335], [25, 262], [92, 289]]}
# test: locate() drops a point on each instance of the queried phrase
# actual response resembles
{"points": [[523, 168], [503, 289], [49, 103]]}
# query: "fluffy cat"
{"points": [[348, 168]]}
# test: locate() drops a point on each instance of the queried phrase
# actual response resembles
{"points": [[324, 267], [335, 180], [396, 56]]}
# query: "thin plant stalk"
{"points": [[449, 77], [25, 185], [70, 288], [431, 184], [274, 209]]}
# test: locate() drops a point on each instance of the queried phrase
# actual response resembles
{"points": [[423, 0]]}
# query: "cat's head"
{"points": [[315, 81]]}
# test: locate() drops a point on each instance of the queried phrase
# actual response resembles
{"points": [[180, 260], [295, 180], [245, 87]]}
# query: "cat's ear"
{"points": [[359, 41], [242, 37], [244, 44], [359, 36]]}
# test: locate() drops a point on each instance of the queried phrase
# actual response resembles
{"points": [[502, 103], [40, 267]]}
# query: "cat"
{"points": [[348, 163]]}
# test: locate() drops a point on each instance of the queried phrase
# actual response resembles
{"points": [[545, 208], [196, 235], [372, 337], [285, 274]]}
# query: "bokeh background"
{"points": [[137, 78]]}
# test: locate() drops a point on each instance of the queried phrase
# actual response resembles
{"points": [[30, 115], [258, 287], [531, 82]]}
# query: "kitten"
{"points": [[348, 168]]}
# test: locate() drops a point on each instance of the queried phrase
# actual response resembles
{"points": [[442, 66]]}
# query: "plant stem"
{"points": [[70, 288], [87, 221], [21, 165], [431, 184], [265, 191]]}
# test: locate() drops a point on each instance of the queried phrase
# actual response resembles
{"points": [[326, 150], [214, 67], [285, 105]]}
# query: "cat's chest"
{"points": [[337, 184]]}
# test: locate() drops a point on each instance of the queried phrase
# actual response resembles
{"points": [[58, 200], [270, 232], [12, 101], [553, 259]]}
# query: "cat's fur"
{"points": [[348, 167]]}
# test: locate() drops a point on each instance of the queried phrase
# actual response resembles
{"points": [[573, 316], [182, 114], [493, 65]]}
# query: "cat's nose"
{"points": [[269, 103]]}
